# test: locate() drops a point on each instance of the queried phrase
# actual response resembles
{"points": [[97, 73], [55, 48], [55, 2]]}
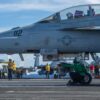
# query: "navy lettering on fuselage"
{"points": [[18, 33]]}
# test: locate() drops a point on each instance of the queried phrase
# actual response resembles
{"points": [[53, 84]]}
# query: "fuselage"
{"points": [[34, 38]]}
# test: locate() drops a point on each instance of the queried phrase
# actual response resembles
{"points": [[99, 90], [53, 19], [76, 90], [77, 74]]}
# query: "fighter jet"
{"points": [[70, 31]]}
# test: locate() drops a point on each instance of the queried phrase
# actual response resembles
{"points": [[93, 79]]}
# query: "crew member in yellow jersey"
{"points": [[10, 69], [14, 66], [14, 69], [47, 71]]}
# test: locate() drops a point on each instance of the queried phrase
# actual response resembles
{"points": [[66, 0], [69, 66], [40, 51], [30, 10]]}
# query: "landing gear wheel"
{"points": [[87, 79]]}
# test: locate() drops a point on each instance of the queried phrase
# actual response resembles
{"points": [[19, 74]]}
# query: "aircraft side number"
{"points": [[18, 33]]}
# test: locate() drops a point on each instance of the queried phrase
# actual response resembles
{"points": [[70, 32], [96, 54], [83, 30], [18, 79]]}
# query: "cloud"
{"points": [[33, 5], [94, 1], [45, 5], [19, 7]]}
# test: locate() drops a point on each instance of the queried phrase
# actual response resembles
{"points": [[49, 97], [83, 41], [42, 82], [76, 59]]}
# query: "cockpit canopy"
{"points": [[74, 13]]}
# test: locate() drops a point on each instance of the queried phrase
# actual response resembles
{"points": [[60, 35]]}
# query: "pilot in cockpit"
{"points": [[57, 17], [91, 11], [69, 15]]}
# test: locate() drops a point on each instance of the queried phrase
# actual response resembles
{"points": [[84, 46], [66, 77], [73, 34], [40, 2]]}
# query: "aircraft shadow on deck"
{"points": [[90, 85]]}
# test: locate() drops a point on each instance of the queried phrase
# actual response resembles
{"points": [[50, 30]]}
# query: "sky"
{"points": [[15, 13]]}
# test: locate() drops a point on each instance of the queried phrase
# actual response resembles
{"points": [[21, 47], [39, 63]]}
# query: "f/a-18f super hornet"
{"points": [[73, 30]]}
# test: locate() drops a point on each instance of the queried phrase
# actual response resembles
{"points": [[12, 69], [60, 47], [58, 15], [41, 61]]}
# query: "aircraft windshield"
{"points": [[74, 12]]}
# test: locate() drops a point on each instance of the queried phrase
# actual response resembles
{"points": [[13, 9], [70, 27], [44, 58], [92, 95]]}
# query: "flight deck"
{"points": [[47, 89]]}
